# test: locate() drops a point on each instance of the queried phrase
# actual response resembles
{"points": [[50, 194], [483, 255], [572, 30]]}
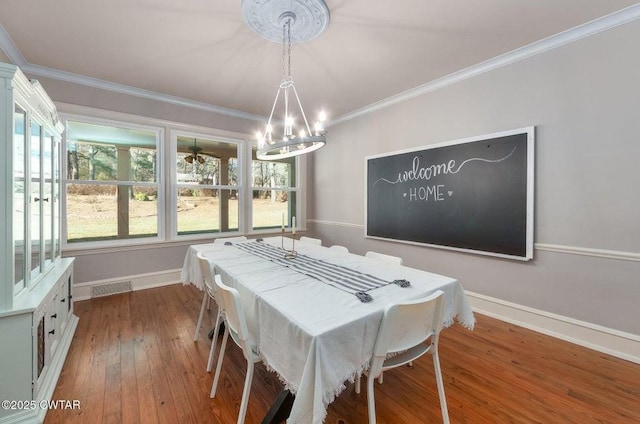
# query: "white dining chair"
{"points": [[408, 330], [238, 239], [236, 326], [391, 260], [387, 258], [209, 294], [311, 240], [339, 248]]}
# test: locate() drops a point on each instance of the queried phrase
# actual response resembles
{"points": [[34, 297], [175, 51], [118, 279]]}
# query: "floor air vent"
{"points": [[111, 288]]}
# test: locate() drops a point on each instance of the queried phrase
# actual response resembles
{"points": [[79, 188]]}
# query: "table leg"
{"points": [[280, 409]]}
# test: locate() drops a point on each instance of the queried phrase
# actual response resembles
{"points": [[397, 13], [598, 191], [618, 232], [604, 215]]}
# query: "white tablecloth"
{"points": [[315, 336]]}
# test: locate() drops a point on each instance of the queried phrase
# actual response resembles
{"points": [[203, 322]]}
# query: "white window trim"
{"points": [[166, 157]]}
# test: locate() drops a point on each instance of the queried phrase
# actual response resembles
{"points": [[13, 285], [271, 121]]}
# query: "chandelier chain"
{"points": [[286, 49], [289, 47]]}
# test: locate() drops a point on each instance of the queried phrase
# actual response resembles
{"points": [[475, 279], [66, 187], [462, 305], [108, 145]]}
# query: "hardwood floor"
{"points": [[133, 360]]}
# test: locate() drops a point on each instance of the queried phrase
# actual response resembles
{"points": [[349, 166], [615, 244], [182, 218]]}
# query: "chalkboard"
{"points": [[474, 195]]}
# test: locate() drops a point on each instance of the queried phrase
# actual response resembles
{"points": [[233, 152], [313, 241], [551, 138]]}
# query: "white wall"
{"points": [[584, 100]]}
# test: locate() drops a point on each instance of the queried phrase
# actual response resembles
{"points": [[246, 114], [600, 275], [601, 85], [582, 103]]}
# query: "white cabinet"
{"points": [[36, 309]]}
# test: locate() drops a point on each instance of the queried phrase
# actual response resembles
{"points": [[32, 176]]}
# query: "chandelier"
{"points": [[284, 20]]}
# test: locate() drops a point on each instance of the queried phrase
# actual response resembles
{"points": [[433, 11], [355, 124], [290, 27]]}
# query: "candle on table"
{"points": [[293, 225], [282, 221]]}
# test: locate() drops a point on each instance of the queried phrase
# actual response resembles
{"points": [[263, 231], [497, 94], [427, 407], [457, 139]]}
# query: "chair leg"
{"points": [[440, 383], [245, 393], [213, 342], [204, 301], [214, 386], [371, 402]]}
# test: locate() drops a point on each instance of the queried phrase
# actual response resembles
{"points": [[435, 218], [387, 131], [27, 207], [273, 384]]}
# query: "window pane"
{"points": [[107, 153], [117, 156], [204, 167], [269, 207], [204, 161], [107, 212], [277, 173], [206, 210]]}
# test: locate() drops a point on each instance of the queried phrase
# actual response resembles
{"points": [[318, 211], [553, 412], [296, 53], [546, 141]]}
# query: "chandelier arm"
{"points": [[302, 110], [274, 106]]}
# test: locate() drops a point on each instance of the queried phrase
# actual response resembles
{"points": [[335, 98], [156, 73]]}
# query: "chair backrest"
{"points": [[229, 301], [340, 248], [407, 324], [311, 240], [207, 275], [238, 239], [387, 258]]}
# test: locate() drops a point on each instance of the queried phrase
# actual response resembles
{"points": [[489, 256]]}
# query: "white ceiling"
{"points": [[202, 50]]}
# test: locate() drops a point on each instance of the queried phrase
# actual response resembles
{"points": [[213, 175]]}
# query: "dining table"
{"points": [[314, 312]]}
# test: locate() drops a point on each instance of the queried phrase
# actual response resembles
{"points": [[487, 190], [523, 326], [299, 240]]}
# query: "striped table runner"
{"points": [[340, 277]]}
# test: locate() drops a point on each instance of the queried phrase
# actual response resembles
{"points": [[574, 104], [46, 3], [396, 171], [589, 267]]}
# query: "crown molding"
{"points": [[7, 45], [588, 29], [137, 92]]}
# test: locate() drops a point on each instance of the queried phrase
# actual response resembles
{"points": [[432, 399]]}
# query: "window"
{"points": [[274, 191], [131, 181], [112, 181], [207, 185]]}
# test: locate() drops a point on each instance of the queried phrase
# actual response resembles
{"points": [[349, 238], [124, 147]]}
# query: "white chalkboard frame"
{"points": [[530, 133]]}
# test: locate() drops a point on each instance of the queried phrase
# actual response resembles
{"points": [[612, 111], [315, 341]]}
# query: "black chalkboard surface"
{"points": [[474, 195]]}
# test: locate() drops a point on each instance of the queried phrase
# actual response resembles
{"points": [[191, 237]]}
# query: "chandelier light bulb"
{"points": [[288, 126]]}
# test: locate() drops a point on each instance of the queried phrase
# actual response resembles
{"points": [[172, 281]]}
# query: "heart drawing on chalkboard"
{"points": [[450, 193], [404, 194]]}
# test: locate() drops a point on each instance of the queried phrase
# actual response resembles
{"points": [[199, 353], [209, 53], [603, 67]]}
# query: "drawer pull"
{"points": [[52, 332], [54, 316]]}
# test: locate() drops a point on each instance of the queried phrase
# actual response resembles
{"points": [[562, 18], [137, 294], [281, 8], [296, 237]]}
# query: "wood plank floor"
{"points": [[133, 360]]}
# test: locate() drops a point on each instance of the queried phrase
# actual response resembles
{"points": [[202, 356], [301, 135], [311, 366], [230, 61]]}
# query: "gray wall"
{"points": [[583, 99]]}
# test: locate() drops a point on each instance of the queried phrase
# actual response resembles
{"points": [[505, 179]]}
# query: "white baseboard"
{"points": [[82, 291], [612, 342]]}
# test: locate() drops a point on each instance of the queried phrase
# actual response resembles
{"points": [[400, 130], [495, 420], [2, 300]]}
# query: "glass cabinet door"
{"points": [[57, 248], [47, 198], [19, 198], [35, 223]]}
